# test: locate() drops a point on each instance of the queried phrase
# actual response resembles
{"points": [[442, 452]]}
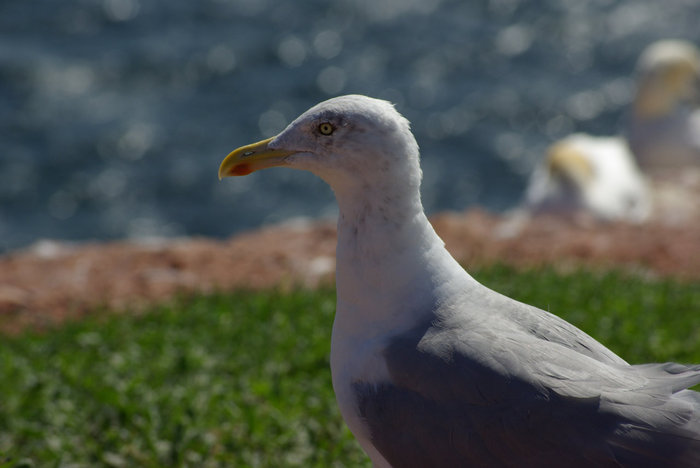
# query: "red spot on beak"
{"points": [[241, 170]]}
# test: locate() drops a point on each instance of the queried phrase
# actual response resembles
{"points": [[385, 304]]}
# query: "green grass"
{"points": [[243, 379]]}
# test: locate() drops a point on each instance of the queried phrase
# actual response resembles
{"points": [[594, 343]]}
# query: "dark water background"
{"points": [[115, 114]]}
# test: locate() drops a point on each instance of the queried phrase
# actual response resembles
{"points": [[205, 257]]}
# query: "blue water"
{"points": [[115, 114]]}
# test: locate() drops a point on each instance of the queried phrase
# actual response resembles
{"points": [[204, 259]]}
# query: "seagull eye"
{"points": [[326, 128]]}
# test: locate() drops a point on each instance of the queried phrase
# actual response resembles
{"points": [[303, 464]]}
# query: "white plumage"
{"points": [[586, 174]]}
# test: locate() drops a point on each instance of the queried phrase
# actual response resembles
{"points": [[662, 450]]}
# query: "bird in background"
{"points": [[583, 174], [432, 369], [648, 173], [663, 127]]}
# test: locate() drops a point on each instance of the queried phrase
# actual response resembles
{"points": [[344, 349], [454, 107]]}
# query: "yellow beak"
{"points": [[250, 158]]}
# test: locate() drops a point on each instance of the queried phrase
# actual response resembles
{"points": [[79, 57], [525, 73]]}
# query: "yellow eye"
{"points": [[326, 128]]}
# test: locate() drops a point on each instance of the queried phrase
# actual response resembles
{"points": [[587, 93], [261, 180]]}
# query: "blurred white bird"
{"points": [[601, 176], [663, 126], [587, 174]]}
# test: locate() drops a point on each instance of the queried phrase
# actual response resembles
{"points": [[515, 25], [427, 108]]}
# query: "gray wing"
{"points": [[470, 394], [486, 306]]}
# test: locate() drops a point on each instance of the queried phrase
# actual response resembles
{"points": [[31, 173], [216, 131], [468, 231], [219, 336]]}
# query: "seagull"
{"points": [[432, 369], [586, 174], [664, 123]]}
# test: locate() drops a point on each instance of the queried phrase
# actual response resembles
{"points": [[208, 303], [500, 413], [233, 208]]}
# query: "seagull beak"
{"points": [[250, 158]]}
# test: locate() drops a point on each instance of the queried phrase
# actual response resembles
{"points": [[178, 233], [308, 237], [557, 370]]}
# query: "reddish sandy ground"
{"points": [[51, 282]]}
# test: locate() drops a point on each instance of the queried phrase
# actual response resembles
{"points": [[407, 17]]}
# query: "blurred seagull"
{"points": [[587, 174], [432, 369], [664, 122], [602, 176]]}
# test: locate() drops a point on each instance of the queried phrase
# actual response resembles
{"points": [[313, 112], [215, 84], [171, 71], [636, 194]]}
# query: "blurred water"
{"points": [[115, 114]]}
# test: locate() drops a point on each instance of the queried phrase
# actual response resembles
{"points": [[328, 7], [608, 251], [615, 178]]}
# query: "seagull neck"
{"points": [[390, 262], [378, 224]]}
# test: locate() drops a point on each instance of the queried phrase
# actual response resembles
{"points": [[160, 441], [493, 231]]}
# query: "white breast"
{"points": [[356, 359]]}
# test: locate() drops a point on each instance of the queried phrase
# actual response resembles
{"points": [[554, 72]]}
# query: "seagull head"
{"points": [[348, 139]]}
